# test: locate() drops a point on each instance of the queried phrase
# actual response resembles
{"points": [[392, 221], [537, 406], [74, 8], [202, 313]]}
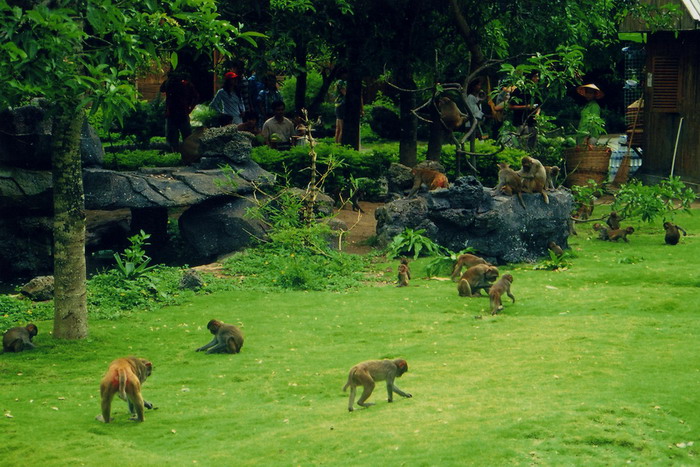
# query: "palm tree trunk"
{"points": [[70, 304]]}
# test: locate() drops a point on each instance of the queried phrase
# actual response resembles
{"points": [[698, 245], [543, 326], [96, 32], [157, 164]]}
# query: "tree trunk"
{"points": [[408, 121], [300, 91], [353, 108], [435, 137], [320, 97], [70, 305]]}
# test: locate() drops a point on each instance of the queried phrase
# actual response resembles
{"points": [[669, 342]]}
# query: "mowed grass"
{"points": [[595, 365]]}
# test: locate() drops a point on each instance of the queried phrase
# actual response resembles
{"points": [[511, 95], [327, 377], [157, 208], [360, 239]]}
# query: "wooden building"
{"points": [[671, 83]]}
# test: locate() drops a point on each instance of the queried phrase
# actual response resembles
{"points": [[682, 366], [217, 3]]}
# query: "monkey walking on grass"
{"points": [[366, 373]]}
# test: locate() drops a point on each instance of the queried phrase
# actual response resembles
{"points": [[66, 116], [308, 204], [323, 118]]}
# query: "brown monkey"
{"points": [[450, 115], [124, 377], [534, 177], [613, 220], [467, 260], [500, 287], [366, 373], [615, 235], [432, 179], [476, 278], [227, 338], [603, 231], [509, 182], [556, 249], [19, 338], [552, 172], [584, 211], [673, 235], [404, 273]]}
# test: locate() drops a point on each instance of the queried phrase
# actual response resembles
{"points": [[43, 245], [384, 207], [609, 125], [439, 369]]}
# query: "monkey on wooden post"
{"points": [[552, 172], [404, 273], [556, 249], [613, 220], [467, 260], [124, 377], [673, 233], [615, 235], [476, 278], [227, 338], [366, 373], [509, 182], [602, 230], [500, 287], [534, 177], [432, 179], [19, 338]]}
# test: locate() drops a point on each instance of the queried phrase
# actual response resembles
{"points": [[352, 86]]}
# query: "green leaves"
{"points": [[133, 262], [412, 241], [649, 202]]}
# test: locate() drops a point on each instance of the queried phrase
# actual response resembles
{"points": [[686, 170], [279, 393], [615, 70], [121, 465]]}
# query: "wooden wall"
{"points": [[662, 120]]}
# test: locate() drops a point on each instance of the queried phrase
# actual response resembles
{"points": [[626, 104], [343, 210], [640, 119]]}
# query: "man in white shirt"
{"points": [[278, 130]]}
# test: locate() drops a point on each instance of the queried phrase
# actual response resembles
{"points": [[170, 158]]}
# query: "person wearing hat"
{"points": [[590, 126], [227, 99]]}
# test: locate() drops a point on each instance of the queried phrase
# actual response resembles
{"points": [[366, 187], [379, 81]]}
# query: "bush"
{"points": [[16, 312], [137, 158], [649, 202], [145, 121]]}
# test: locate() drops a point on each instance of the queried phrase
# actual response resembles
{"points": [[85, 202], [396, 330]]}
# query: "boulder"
{"points": [[26, 245], [470, 215], [218, 227], [26, 138], [38, 289], [191, 280]]}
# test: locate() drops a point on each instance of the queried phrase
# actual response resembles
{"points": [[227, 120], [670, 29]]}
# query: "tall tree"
{"points": [[82, 54]]}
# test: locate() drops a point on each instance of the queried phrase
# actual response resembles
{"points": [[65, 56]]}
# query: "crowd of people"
{"points": [[256, 105]]}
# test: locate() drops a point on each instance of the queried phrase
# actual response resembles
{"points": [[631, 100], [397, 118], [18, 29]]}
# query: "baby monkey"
{"points": [[500, 287], [366, 373], [404, 273]]}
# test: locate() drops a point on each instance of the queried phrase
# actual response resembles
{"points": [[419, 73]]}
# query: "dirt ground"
{"points": [[361, 227]]}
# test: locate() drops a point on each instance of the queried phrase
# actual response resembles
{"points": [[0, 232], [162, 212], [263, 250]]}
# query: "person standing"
{"points": [[180, 98], [267, 96], [590, 126], [341, 89], [228, 100]]}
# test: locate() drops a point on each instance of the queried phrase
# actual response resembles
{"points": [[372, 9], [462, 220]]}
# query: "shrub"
{"points": [[649, 202], [16, 312], [412, 242], [145, 121], [137, 158]]}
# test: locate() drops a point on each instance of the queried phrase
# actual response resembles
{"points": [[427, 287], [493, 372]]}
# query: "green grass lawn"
{"points": [[595, 365]]}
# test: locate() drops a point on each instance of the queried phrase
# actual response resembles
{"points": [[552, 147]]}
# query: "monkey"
{"points": [[556, 249], [603, 231], [19, 338], [673, 235], [404, 273], [450, 115], [552, 172], [613, 220], [584, 211], [476, 278], [510, 182], [534, 177], [467, 260], [124, 377], [366, 373], [432, 178], [500, 287], [616, 234], [227, 338]]}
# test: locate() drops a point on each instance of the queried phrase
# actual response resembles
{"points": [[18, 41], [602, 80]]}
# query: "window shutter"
{"points": [[666, 74]]}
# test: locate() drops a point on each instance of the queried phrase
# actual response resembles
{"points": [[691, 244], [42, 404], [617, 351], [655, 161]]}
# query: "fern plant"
{"points": [[412, 242]]}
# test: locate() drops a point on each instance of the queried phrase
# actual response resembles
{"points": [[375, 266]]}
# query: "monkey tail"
{"points": [[122, 384], [351, 375]]}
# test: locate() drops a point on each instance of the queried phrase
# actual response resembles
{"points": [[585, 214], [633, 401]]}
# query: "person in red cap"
{"points": [[228, 100], [590, 126]]}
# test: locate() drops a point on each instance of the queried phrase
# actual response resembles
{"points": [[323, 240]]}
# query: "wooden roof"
{"points": [[688, 21]]}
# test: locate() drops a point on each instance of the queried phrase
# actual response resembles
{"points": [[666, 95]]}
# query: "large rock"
{"points": [[225, 143], [26, 138], [26, 246], [470, 215], [38, 289], [218, 227]]}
